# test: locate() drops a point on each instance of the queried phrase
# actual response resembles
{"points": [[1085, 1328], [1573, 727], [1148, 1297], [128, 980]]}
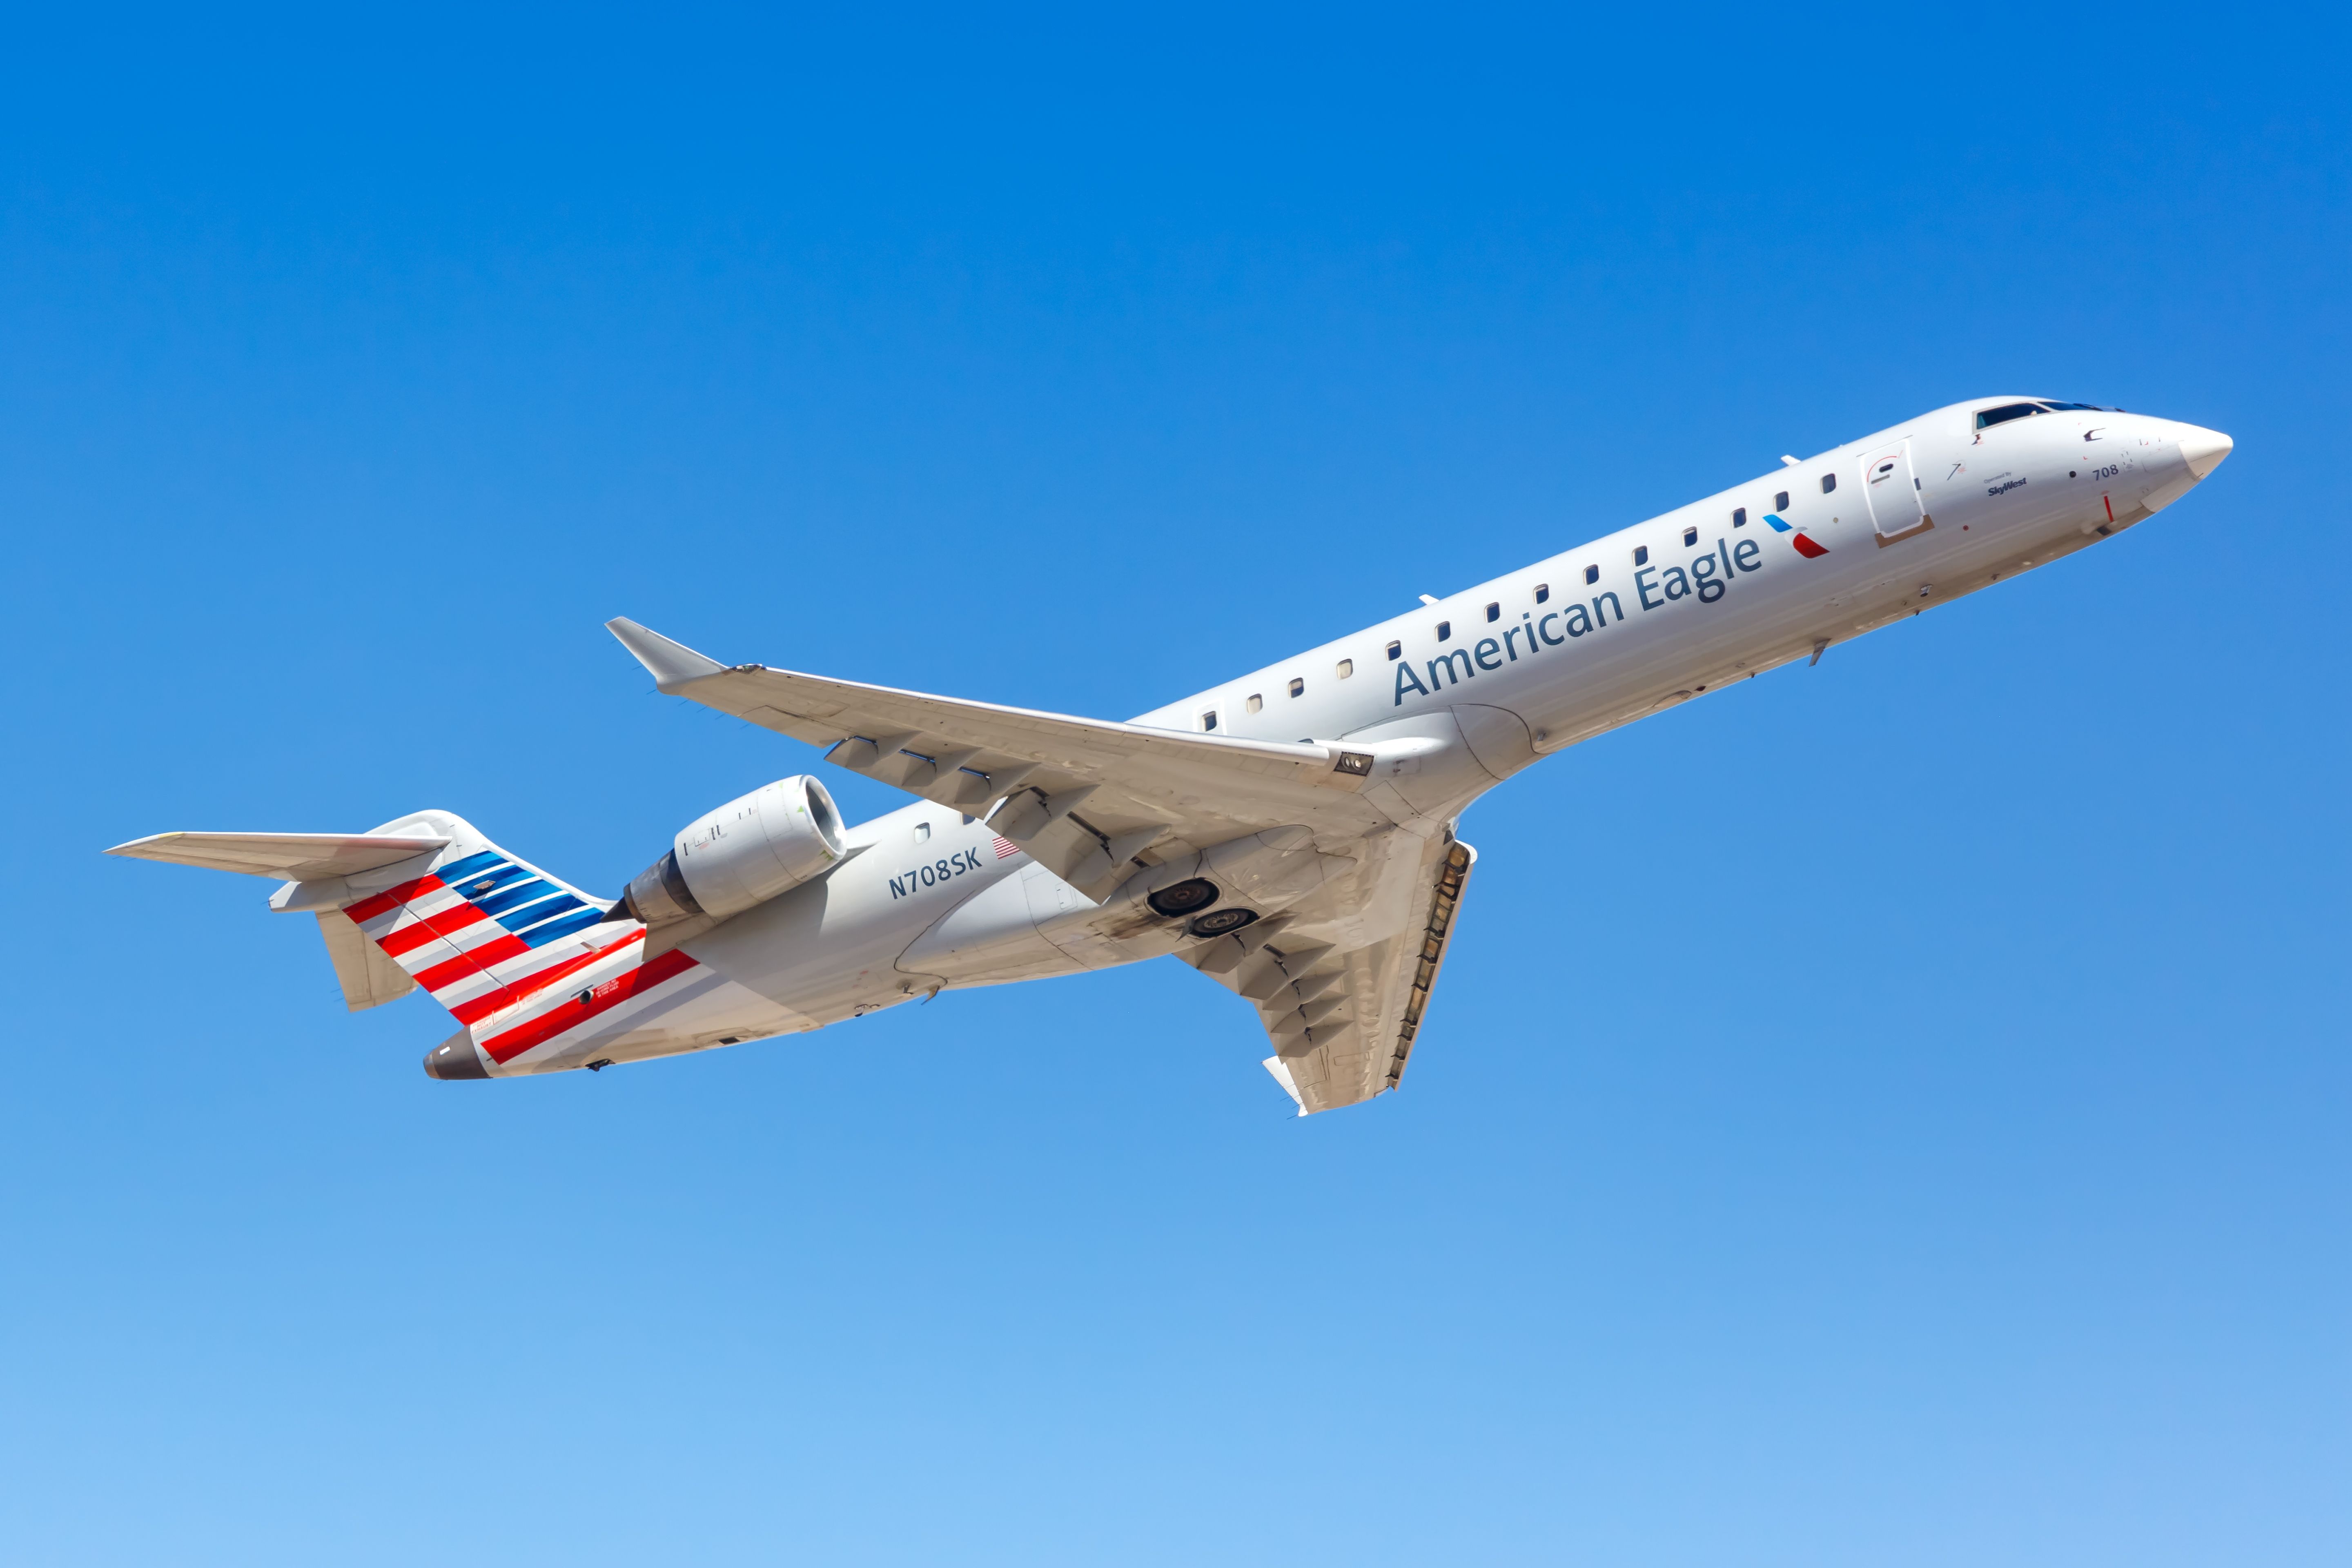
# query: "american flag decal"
{"points": [[1006, 846]]}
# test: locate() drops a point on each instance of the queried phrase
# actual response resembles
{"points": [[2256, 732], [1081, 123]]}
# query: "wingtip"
{"points": [[1281, 1071], [131, 848], [671, 664]]}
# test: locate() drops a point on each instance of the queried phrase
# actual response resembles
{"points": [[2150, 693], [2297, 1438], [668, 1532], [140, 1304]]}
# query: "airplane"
{"points": [[1289, 833]]}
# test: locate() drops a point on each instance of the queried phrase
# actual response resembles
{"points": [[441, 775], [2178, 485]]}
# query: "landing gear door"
{"points": [[1894, 493]]}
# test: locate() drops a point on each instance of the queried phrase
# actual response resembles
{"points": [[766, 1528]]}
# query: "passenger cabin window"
{"points": [[1495, 612], [1346, 668], [1256, 701], [1828, 483], [1396, 650], [1593, 574], [1739, 517], [1989, 418], [922, 833], [1209, 720], [1780, 501], [1641, 555], [1690, 536], [1444, 630], [1543, 593], [1296, 686]]}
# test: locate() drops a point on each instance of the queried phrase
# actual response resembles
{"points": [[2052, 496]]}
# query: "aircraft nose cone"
{"points": [[455, 1057], [2204, 450]]}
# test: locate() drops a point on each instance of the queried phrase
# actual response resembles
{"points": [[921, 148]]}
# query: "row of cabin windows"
{"points": [[1690, 534], [1640, 558], [1256, 702], [1738, 520], [1543, 596], [1493, 613]]}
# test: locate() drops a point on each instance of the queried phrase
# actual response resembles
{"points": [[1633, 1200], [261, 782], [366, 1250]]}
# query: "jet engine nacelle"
{"points": [[745, 853]]}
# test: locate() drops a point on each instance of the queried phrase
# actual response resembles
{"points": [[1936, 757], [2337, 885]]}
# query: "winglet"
{"points": [[672, 664], [1281, 1071]]}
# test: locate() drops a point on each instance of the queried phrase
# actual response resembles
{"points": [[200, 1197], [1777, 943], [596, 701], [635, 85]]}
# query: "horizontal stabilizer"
{"points": [[286, 857]]}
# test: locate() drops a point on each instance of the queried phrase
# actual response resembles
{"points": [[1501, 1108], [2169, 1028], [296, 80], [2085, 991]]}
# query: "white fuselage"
{"points": [[1462, 692]]}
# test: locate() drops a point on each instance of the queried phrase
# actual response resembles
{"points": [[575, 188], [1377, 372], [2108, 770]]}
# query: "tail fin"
{"points": [[480, 928], [427, 901]]}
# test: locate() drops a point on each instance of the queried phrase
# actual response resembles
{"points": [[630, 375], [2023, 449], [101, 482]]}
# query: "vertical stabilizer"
{"points": [[425, 901], [481, 929]]}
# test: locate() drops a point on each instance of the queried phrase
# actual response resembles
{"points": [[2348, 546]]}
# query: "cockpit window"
{"points": [[2062, 407], [1989, 418]]}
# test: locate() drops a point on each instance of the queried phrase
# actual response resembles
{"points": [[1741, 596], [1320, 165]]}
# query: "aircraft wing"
{"points": [[1342, 1023], [1086, 797]]}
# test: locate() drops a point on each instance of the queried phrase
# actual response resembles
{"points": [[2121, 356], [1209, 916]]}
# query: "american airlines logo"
{"points": [[1797, 537]]}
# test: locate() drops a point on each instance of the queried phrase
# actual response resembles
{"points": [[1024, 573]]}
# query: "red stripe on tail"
{"points": [[391, 899], [408, 938], [474, 961], [503, 1048], [522, 988]]}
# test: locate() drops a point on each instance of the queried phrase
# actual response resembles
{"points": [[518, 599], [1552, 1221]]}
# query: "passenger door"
{"points": [[1894, 493]]}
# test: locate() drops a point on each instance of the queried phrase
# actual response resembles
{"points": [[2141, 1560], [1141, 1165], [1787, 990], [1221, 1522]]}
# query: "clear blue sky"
{"points": [[1892, 1112]]}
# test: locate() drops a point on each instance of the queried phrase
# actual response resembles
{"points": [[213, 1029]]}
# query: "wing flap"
{"points": [[1343, 1024]]}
